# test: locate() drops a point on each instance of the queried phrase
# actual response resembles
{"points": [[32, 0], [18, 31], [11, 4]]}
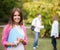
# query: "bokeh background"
{"points": [[47, 8]]}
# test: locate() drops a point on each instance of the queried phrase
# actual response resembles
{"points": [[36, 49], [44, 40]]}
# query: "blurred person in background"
{"points": [[54, 32], [37, 24]]}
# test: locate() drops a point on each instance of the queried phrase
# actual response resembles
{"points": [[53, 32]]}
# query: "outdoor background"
{"points": [[47, 8]]}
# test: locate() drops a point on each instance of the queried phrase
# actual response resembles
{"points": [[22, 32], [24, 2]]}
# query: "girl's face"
{"points": [[39, 16], [16, 17]]}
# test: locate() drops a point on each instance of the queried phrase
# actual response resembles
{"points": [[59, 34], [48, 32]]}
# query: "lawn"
{"points": [[44, 43]]}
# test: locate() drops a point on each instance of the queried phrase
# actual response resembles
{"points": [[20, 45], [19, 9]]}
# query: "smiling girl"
{"points": [[14, 33]]}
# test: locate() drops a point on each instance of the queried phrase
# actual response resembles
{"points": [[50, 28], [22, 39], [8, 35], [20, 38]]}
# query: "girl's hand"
{"points": [[12, 44], [20, 40]]}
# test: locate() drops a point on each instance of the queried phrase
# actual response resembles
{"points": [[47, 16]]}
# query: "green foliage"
{"points": [[5, 8], [42, 33], [47, 9]]}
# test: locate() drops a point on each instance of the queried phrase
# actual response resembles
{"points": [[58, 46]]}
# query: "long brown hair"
{"points": [[11, 21], [55, 17]]}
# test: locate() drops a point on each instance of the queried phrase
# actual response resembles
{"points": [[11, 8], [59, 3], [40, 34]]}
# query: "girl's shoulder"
{"points": [[7, 26], [55, 22], [23, 26]]}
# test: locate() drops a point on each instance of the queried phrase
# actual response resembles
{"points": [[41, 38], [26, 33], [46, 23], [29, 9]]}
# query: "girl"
{"points": [[54, 31], [14, 33]]}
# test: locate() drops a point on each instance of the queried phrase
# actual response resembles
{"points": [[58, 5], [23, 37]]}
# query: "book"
{"points": [[13, 35]]}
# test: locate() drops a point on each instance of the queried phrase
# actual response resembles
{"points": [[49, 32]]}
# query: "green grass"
{"points": [[44, 43], [1, 47]]}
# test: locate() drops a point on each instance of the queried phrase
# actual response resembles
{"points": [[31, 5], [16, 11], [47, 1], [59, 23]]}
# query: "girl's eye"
{"points": [[16, 15]]}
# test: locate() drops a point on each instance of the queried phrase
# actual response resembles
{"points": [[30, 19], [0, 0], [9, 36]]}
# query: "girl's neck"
{"points": [[16, 23]]}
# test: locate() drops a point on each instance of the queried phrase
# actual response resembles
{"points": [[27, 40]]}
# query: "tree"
{"points": [[5, 8]]}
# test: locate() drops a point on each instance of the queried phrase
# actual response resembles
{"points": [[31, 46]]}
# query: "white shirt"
{"points": [[54, 31], [37, 23]]}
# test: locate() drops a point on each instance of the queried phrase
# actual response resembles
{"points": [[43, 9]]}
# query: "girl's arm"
{"points": [[25, 36], [5, 34]]}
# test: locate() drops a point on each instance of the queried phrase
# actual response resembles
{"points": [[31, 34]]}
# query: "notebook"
{"points": [[13, 35]]}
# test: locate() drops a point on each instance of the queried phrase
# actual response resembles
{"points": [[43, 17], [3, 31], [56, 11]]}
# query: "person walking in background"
{"points": [[37, 24], [14, 33], [54, 31]]}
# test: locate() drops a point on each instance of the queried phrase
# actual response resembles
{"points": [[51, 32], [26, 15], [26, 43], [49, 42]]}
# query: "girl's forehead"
{"points": [[16, 12]]}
